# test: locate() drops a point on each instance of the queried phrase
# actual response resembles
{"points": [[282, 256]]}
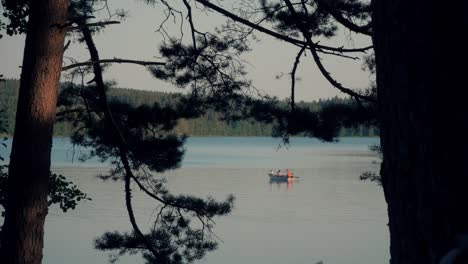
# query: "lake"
{"points": [[328, 215]]}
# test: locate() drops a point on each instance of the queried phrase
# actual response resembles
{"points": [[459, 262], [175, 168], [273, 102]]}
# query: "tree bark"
{"points": [[26, 206], [420, 60]]}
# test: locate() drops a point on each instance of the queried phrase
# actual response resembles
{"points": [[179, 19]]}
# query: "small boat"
{"points": [[281, 177]]}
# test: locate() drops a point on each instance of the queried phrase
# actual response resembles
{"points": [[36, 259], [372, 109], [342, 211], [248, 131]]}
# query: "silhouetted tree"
{"points": [[420, 97]]}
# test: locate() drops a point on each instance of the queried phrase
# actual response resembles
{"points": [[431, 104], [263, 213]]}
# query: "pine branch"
{"points": [[192, 27], [275, 34], [96, 24], [122, 145], [125, 155], [325, 73], [366, 30], [115, 60], [293, 76]]}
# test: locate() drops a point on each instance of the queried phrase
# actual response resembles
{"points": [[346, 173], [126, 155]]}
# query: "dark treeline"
{"points": [[209, 124]]}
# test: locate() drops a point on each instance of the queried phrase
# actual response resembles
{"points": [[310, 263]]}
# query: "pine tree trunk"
{"points": [[421, 68], [26, 206]]}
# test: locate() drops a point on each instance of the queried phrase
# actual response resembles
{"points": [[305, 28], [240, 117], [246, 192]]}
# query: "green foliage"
{"points": [[16, 13], [61, 192], [64, 193]]}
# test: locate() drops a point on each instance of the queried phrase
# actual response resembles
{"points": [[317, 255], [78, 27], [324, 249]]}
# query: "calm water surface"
{"points": [[328, 215]]}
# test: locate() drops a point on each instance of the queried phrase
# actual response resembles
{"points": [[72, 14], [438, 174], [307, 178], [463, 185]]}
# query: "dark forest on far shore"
{"points": [[208, 125]]}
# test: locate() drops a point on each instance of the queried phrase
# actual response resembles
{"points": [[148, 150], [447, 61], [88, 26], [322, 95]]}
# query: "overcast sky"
{"points": [[136, 38]]}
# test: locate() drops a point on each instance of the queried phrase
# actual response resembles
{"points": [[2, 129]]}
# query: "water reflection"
{"points": [[278, 184], [327, 211]]}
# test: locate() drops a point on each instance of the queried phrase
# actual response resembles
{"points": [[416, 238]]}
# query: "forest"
{"points": [[210, 124]]}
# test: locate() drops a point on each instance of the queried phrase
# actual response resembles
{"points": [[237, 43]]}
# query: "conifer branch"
{"points": [[115, 60], [96, 24], [275, 34], [366, 30], [117, 135], [192, 27], [124, 154], [338, 54], [293, 76], [317, 59]]}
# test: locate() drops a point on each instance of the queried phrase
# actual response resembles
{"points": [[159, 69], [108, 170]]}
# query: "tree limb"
{"points": [[118, 137], [96, 24], [115, 60], [293, 77], [366, 30], [318, 61], [273, 33], [192, 27]]}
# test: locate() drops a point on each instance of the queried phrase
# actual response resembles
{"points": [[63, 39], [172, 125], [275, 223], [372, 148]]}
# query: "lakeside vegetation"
{"points": [[208, 125]]}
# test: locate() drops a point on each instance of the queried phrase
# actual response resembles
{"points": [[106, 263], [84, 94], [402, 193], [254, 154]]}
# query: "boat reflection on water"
{"points": [[288, 183]]}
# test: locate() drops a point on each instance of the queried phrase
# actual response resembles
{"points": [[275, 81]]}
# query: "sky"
{"points": [[135, 38]]}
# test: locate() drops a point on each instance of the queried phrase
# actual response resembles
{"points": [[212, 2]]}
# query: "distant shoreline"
{"points": [[208, 125]]}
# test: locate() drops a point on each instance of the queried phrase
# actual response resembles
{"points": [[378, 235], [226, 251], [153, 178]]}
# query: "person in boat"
{"points": [[288, 173], [279, 173], [271, 173]]}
